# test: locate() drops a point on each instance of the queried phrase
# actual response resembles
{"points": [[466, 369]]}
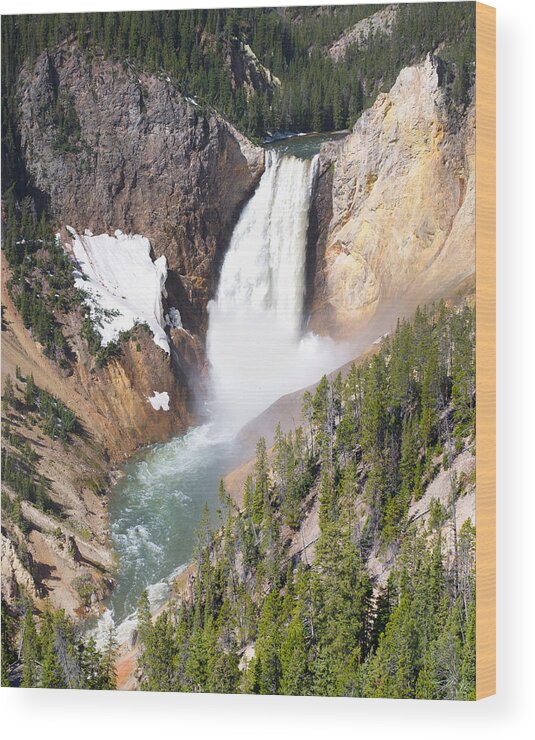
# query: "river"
{"points": [[257, 351]]}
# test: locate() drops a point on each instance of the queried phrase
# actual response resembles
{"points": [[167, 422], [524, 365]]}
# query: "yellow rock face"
{"points": [[403, 203]]}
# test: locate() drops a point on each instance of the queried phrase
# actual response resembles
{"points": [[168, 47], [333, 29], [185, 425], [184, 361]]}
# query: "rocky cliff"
{"points": [[381, 22], [107, 148], [248, 73], [110, 148], [403, 201], [56, 549]]}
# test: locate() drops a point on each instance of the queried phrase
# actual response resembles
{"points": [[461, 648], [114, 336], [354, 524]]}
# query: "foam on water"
{"points": [[124, 629], [154, 511]]}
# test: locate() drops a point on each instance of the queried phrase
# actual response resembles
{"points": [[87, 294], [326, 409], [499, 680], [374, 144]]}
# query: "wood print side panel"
{"points": [[485, 350]]}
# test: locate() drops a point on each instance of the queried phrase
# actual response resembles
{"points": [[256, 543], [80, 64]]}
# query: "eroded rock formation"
{"points": [[380, 22], [140, 157], [403, 201], [106, 148]]}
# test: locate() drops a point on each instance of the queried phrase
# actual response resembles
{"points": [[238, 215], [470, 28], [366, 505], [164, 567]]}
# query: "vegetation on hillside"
{"points": [[194, 47], [51, 653], [41, 281], [26, 406], [263, 619], [270, 612], [41, 285], [263, 616], [40, 649]]}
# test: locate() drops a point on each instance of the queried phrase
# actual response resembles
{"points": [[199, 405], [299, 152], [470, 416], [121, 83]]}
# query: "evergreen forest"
{"points": [[264, 617], [53, 655], [195, 48], [337, 573]]}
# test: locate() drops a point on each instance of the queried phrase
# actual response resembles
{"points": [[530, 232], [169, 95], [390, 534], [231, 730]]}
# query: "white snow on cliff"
{"points": [[123, 285], [160, 401]]}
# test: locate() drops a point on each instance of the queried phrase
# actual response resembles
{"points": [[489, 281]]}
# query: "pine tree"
{"points": [[108, 672], [197, 662], [267, 665], [467, 672], [261, 486], [8, 395], [51, 672], [29, 394], [90, 665], [295, 675], [30, 652]]}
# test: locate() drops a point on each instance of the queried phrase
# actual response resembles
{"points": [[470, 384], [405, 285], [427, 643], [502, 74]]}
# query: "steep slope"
{"points": [[361, 518], [106, 149], [380, 22], [54, 520], [403, 199], [136, 155], [248, 73]]}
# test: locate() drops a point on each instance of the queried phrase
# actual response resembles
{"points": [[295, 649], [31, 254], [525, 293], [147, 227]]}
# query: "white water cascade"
{"points": [[264, 269], [255, 344]]}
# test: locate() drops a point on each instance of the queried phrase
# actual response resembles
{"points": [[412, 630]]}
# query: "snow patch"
{"points": [[159, 401], [122, 285]]}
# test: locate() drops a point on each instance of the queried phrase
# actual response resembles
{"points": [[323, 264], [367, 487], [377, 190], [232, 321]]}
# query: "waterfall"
{"points": [[257, 353], [264, 269], [255, 345]]}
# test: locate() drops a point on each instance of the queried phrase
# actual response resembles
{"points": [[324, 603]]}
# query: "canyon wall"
{"points": [[58, 551], [141, 157], [104, 148], [402, 206]]}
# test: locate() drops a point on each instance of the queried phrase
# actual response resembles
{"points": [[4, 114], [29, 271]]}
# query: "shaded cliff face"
{"points": [[403, 203], [113, 149], [319, 219], [106, 148]]}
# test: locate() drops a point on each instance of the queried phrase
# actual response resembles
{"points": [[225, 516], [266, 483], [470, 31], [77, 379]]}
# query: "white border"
{"points": [[47, 714]]}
